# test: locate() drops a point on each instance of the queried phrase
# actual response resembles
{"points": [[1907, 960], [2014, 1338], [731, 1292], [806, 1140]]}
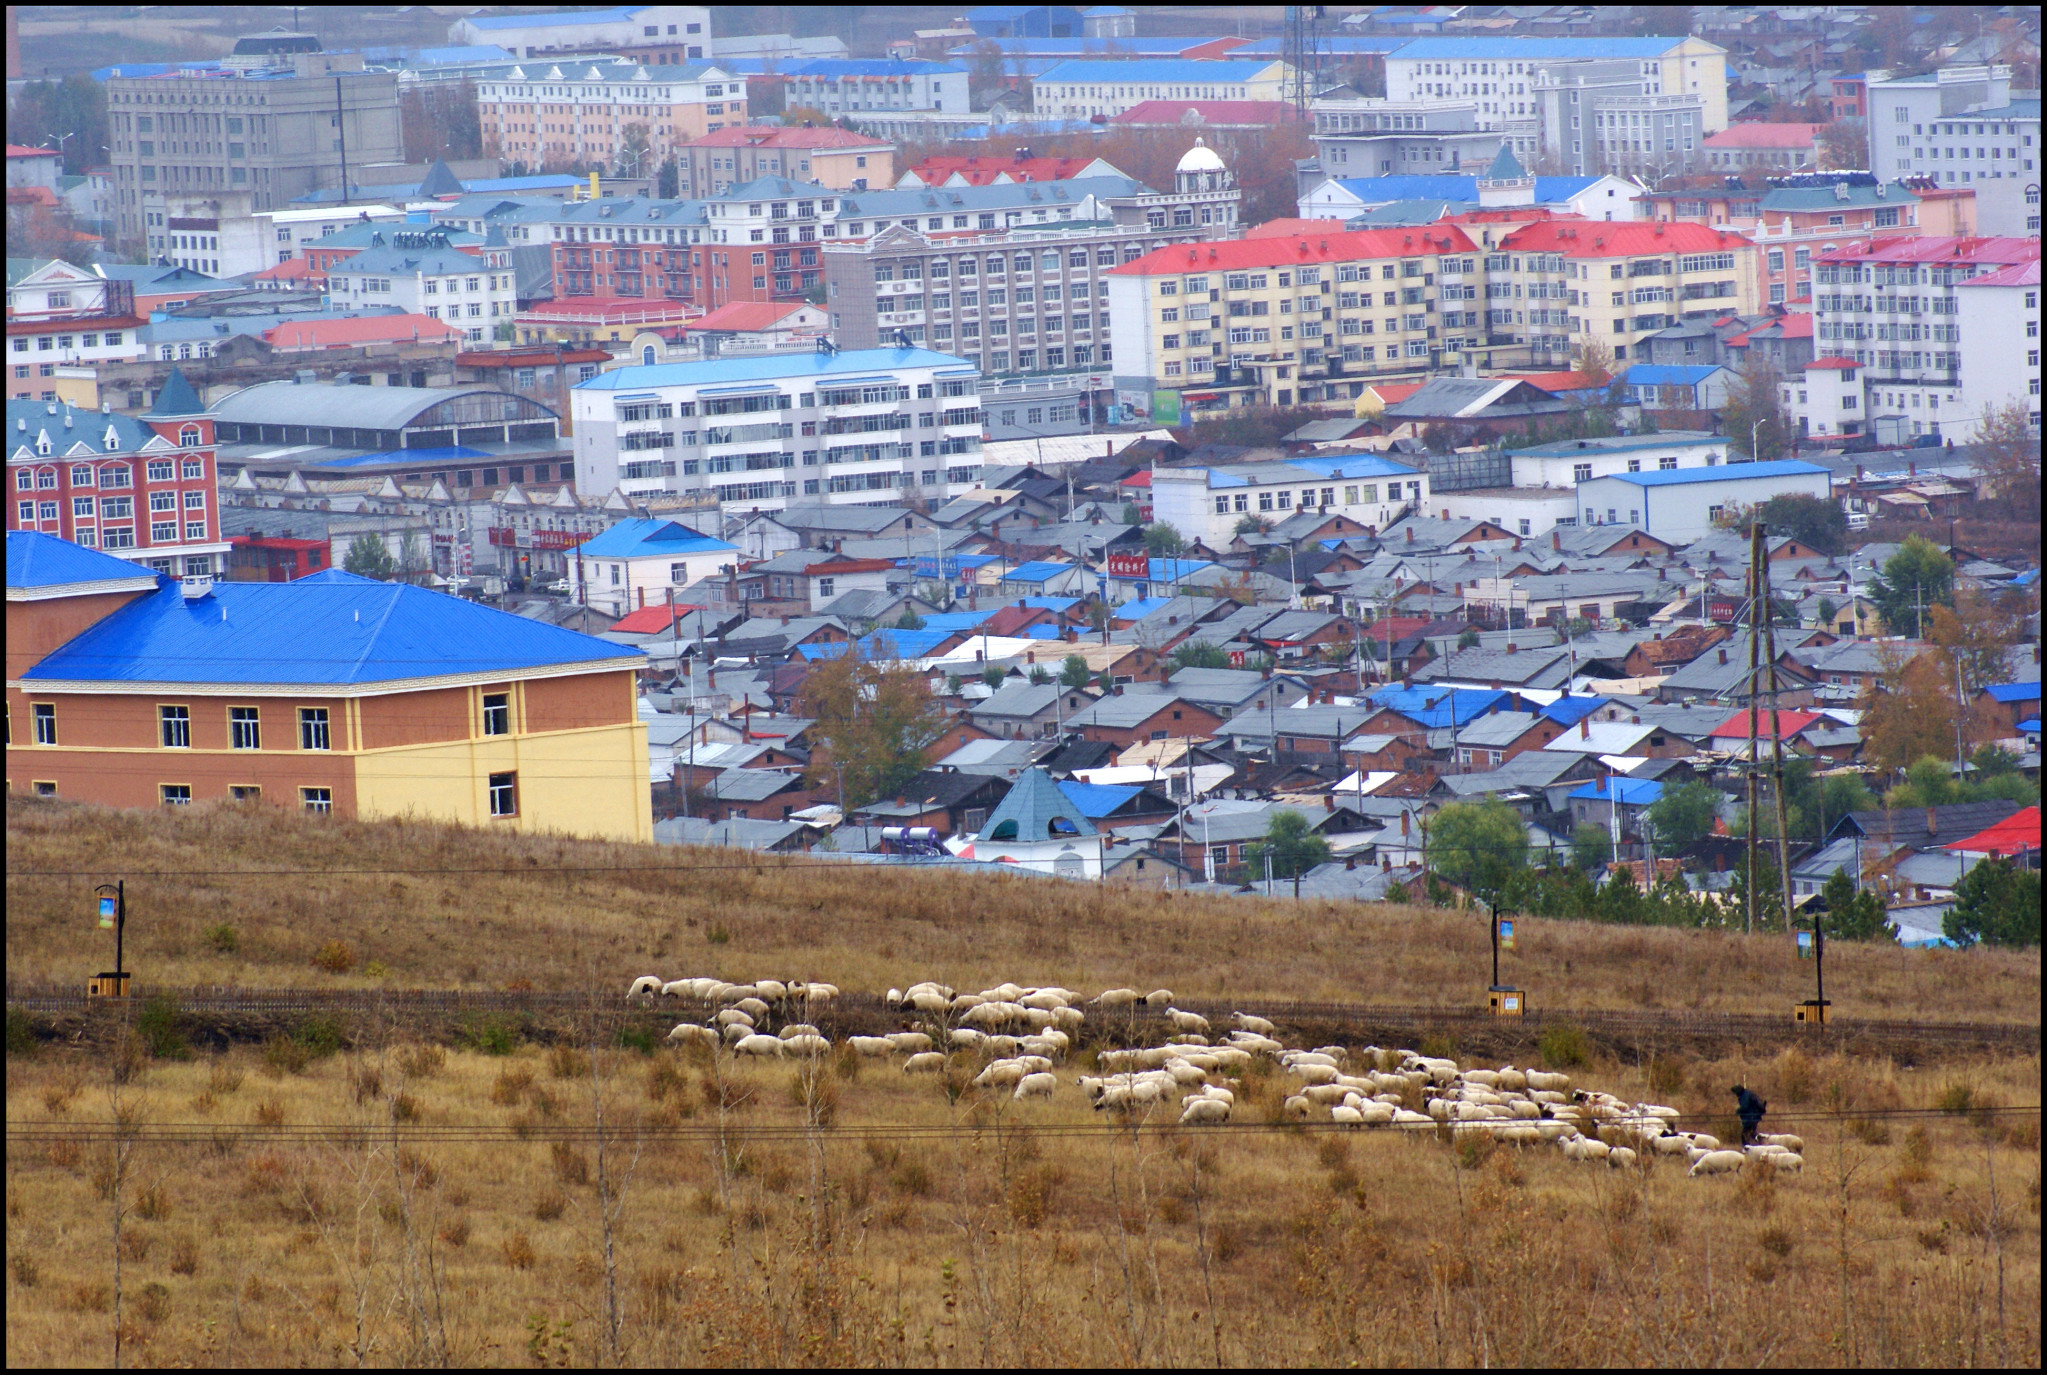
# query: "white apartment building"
{"points": [[840, 86], [862, 427], [1961, 126], [284, 234], [1500, 73], [1613, 116], [1364, 136], [595, 111], [1563, 465], [1088, 87], [1893, 307], [419, 273], [1208, 503], [588, 31], [2001, 348]]}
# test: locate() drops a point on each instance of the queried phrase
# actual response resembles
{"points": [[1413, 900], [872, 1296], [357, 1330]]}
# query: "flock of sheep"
{"points": [[1021, 1034]]}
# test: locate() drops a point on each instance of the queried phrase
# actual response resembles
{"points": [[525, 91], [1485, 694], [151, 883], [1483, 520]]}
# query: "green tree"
{"points": [[1684, 815], [1919, 576], [368, 558], [1754, 413], [874, 724], [1480, 846], [1198, 654], [1620, 900], [1131, 515], [1163, 541], [1769, 893], [1994, 761], [1996, 903], [1291, 846], [909, 620], [1073, 672], [1853, 916], [1817, 522], [1827, 612], [993, 675], [1591, 846], [1251, 523], [1469, 638]]}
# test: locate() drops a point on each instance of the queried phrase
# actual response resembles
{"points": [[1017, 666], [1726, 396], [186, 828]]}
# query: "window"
{"points": [[313, 728], [504, 794], [175, 725], [45, 714], [317, 799], [176, 794], [1581, 472], [245, 728], [497, 713]]}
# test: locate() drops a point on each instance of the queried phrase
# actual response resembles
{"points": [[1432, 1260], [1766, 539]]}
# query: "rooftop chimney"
{"points": [[1513, 648], [1932, 823], [1556, 540], [1723, 656], [1585, 728], [1410, 534]]}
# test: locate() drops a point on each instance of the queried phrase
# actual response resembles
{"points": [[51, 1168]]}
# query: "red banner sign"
{"points": [[1236, 658], [536, 539], [1721, 612], [1129, 565]]}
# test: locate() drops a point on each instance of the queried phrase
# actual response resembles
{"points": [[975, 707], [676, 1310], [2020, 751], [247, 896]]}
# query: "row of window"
{"points": [[114, 475], [46, 342], [504, 795], [245, 724]]}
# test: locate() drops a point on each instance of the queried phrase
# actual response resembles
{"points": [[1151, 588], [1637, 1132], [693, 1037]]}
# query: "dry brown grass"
{"points": [[547, 913], [927, 1233]]}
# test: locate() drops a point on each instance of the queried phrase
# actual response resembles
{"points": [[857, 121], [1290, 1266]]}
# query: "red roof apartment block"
{"points": [[310, 335]]}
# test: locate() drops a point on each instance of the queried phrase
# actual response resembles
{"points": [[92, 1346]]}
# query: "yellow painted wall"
{"points": [[591, 782]]}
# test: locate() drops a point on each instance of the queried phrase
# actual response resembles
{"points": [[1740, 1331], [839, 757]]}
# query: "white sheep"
{"points": [[1001, 1074], [965, 1037], [1784, 1139], [820, 993], [1069, 1018], [1211, 1111], [646, 983], [676, 988], [871, 1045], [1412, 1121], [811, 1044], [1115, 997], [737, 1032], [1346, 1116], [1043, 999], [1788, 1162], [1246, 1022], [1715, 1162], [1620, 1157], [1158, 997], [1038, 1085], [912, 1041], [1376, 1114], [798, 1029], [753, 1007], [732, 1016], [1186, 1021], [924, 1062], [771, 989], [1670, 1145], [1297, 1106], [689, 1033], [758, 1045], [1539, 1079], [1314, 1074]]}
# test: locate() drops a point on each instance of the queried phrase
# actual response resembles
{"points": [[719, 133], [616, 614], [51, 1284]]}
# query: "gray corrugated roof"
{"points": [[329, 403]]}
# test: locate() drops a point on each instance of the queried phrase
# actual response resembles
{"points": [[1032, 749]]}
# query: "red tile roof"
{"points": [[1789, 722], [1936, 248], [2018, 274], [290, 270], [1559, 381], [1390, 392], [15, 150], [754, 136], [748, 315], [1835, 362], [1283, 251], [373, 329], [1212, 112], [649, 620], [1274, 229], [1137, 479], [1601, 239], [1765, 136], [819, 570]]}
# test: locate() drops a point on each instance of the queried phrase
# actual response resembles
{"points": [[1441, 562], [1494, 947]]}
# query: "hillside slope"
{"points": [[420, 905]]}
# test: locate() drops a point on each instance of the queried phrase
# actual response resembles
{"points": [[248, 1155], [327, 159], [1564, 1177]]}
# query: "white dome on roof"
{"points": [[1200, 158]]}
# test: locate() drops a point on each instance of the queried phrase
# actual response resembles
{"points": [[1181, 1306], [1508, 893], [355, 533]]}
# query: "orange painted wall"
{"points": [[418, 718], [36, 628], [585, 699]]}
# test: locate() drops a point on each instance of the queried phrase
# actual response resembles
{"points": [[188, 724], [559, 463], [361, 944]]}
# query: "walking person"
{"points": [[1750, 1109]]}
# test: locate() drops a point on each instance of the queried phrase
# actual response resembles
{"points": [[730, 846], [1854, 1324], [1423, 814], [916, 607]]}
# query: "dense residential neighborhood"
{"points": [[1134, 447]]}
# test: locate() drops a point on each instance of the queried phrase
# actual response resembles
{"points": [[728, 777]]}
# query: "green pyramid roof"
{"points": [[1506, 167], [176, 397], [1034, 802]]}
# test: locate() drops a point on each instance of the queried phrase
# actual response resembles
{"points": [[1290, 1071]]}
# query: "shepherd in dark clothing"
{"points": [[1750, 1109]]}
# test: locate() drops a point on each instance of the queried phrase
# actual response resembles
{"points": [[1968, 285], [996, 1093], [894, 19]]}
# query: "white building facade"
{"points": [[419, 273], [1680, 507], [865, 427], [1960, 126], [1564, 465], [592, 31], [1209, 503], [2000, 351], [1499, 73]]}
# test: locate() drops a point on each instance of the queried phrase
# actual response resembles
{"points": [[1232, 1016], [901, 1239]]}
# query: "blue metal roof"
{"points": [[1569, 711], [440, 454], [1036, 571], [1530, 49], [332, 628], [643, 538], [1440, 706], [902, 644], [1097, 800], [1353, 465], [2002, 692], [1733, 472], [728, 370], [1156, 69], [73, 428], [1670, 374], [1052, 603], [1633, 792], [952, 621], [35, 560], [1138, 610], [1172, 570]]}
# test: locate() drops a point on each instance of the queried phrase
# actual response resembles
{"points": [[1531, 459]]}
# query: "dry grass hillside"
{"points": [[442, 907]]}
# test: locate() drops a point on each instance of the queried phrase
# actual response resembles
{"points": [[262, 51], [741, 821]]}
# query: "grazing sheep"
{"points": [[811, 1044], [1702, 1142], [871, 1045], [1715, 1162], [1538, 1079], [913, 1041], [999, 1046], [1511, 1078], [1670, 1145], [925, 1001], [798, 1029], [646, 983], [820, 993], [1620, 1157], [731, 993], [737, 1032], [1343, 1115], [732, 1016], [1788, 1162], [965, 1037], [1158, 997], [676, 988], [753, 1007], [1115, 997], [1038, 1085], [1314, 1074], [758, 1045], [771, 989], [1186, 1021], [1245, 1022], [1297, 1106], [689, 1033], [925, 1062], [1784, 1139], [1001, 1074], [1376, 1114], [1043, 1000], [1199, 1111], [1411, 1120], [1069, 1018], [1325, 1093], [1190, 1038]]}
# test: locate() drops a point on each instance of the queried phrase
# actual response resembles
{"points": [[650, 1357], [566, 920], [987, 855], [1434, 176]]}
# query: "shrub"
{"points": [[365, 1082], [404, 1108], [90, 1298], [571, 1166], [184, 1256], [1956, 1098], [566, 1062], [223, 1078], [550, 1205], [717, 935], [157, 1026], [518, 1251], [224, 938], [1563, 1046], [511, 1085], [1666, 1076], [21, 1038], [282, 1055], [153, 1204], [638, 1038], [321, 1037], [154, 1303], [270, 1112], [1030, 1194], [455, 1232], [26, 1271], [422, 1061], [135, 1244], [1776, 1239], [493, 1036], [335, 957]]}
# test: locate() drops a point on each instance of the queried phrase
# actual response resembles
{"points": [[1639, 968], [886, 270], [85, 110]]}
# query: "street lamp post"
{"points": [[113, 905]]}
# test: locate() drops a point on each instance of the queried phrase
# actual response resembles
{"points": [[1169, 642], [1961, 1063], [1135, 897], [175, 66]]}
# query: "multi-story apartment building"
{"points": [[142, 488], [1616, 284], [1207, 503], [1363, 136], [1500, 72], [1961, 126], [1082, 89], [1609, 116], [1893, 309], [620, 114], [588, 31], [2000, 353], [1274, 321], [419, 272], [275, 133], [862, 427], [64, 323], [1796, 222], [1769, 148], [842, 87], [831, 156]]}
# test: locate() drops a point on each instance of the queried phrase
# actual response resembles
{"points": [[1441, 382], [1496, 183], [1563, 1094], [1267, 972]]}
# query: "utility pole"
{"points": [[1776, 743], [1755, 642]]}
